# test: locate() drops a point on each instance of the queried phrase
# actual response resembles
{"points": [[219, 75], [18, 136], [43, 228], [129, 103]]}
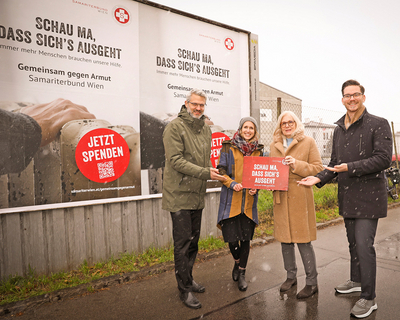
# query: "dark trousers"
{"points": [[186, 233], [361, 236]]}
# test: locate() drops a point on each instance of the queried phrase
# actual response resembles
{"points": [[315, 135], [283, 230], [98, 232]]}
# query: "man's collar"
{"points": [[348, 121]]}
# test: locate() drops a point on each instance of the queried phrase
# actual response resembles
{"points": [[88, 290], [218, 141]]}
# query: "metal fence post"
{"points": [[278, 107]]}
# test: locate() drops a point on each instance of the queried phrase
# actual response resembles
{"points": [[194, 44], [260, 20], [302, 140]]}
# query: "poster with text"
{"points": [[109, 75], [179, 53], [61, 57], [270, 173]]}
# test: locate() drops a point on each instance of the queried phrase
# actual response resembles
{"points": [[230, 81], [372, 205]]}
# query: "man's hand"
{"points": [[309, 181], [52, 116], [214, 173], [238, 187], [339, 168]]}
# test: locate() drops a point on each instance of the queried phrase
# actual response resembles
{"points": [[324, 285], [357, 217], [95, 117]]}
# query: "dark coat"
{"points": [[187, 144], [366, 147]]}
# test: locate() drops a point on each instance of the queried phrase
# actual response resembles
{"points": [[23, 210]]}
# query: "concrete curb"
{"points": [[19, 307]]}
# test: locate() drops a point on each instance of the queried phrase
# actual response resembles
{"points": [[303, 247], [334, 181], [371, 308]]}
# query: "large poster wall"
{"points": [[130, 65]]}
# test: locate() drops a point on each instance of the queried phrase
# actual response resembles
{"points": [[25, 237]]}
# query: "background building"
{"points": [[322, 133], [272, 103]]}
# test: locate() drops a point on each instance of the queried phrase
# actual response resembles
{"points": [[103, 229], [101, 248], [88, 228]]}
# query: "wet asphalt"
{"points": [[157, 297]]}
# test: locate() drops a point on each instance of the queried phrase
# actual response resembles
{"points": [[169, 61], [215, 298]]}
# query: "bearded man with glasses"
{"points": [[361, 151], [187, 144]]}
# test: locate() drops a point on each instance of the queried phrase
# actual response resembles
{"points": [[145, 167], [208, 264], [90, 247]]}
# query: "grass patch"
{"points": [[19, 288], [211, 244]]}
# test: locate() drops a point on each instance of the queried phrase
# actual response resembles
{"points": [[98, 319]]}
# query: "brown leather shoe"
{"points": [[307, 291], [288, 284]]}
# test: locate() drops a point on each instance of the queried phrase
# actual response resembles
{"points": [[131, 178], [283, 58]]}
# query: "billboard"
{"points": [[131, 66]]}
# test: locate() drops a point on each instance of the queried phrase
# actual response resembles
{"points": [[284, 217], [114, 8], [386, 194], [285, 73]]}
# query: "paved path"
{"points": [[157, 297]]}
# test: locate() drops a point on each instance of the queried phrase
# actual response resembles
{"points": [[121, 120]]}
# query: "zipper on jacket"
{"points": [[360, 141]]}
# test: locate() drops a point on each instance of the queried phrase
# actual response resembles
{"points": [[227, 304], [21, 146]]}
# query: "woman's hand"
{"points": [[290, 161], [238, 187]]}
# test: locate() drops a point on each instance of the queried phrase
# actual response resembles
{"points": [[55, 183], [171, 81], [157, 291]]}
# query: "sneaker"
{"points": [[349, 286], [363, 308]]}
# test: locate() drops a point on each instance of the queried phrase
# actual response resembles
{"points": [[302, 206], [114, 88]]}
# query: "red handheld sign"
{"points": [[268, 173]]}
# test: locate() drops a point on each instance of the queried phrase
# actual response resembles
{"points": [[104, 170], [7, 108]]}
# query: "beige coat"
{"points": [[294, 211]]}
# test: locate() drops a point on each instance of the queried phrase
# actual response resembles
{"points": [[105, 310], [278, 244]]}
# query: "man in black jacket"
{"points": [[361, 151]]}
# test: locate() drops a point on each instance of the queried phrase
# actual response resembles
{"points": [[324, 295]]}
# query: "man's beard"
{"points": [[193, 116]]}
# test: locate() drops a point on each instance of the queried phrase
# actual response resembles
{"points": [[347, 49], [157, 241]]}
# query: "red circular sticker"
{"points": [[216, 145], [102, 155], [229, 44], [121, 15]]}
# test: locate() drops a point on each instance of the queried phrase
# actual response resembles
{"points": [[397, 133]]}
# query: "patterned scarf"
{"points": [[245, 147]]}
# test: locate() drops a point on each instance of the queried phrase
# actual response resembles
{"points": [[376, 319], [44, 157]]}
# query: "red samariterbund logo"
{"points": [[121, 15], [229, 44], [102, 155]]}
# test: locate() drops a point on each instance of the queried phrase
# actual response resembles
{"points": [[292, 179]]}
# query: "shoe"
{"points": [[349, 286], [288, 284], [242, 284], [363, 308], [307, 292], [190, 300], [235, 271], [197, 287]]}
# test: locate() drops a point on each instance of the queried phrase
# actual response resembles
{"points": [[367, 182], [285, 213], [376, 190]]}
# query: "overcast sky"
{"points": [[308, 48]]}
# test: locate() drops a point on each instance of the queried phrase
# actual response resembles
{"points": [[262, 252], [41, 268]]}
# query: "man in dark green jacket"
{"points": [[187, 144]]}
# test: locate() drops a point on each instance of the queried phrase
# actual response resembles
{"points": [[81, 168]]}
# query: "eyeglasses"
{"points": [[287, 124], [355, 95], [198, 104]]}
